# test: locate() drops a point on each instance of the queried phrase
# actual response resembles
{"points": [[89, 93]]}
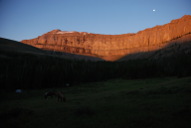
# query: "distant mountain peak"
{"points": [[182, 19], [186, 17], [54, 31], [58, 31], [113, 47]]}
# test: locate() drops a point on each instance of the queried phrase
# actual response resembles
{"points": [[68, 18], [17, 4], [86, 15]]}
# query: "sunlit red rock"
{"points": [[113, 47]]}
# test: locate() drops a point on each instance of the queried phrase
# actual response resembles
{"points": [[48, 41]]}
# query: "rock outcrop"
{"points": [[113, 47]]}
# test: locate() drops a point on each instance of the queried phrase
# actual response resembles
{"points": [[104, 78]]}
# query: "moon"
{"points": [[154, 10]]}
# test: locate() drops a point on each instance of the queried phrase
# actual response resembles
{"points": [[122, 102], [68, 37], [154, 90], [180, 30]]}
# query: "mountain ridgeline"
{"points": [[60, 57], [115, 47]]}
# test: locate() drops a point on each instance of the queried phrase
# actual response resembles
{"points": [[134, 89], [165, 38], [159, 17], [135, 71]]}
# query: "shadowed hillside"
{"points": [[7, 45], [9, 48], [44, 70]]}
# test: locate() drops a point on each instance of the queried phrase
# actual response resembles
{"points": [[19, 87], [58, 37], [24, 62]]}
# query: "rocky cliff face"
{"points": [[113, 47]]}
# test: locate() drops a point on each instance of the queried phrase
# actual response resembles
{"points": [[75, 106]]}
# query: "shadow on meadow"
{"points": [[145, 103]]}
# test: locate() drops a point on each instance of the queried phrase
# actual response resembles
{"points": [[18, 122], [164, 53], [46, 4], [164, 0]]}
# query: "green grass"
{"points": [[118, 103]]}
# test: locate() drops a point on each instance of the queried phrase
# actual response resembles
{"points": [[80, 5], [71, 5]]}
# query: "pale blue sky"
{"points": [[27, 19]]}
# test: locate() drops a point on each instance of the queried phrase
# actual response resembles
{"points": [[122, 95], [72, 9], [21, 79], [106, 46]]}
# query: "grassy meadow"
{"points": [[116, 103]]}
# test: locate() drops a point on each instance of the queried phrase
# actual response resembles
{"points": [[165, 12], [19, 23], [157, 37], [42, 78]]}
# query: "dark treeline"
{"points": [[31, 71]]}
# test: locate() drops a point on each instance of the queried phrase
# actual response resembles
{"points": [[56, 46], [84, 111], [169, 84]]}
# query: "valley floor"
{"points": [[118, 103]]}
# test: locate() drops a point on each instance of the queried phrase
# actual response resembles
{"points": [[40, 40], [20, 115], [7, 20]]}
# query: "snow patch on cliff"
{"points": [[64, 32]]}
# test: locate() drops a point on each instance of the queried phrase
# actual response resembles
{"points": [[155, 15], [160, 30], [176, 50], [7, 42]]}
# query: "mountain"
{"points": [[7, 45], [114, 47], [10, 48], [180, 46]]}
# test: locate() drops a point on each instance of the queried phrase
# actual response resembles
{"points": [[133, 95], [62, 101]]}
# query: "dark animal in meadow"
{"points": [[59, 94]]}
